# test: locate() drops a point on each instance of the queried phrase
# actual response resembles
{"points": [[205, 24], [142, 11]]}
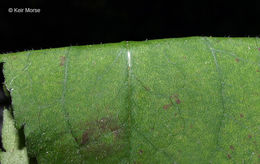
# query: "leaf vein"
{"points": [[221, 91], [65, 112]]}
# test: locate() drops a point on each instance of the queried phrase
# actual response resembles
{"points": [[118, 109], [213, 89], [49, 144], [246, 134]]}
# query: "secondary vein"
{"points": [[65, 112], [221, 89]]}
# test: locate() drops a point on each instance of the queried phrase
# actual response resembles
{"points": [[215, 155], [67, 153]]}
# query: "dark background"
{"points": [[82, 22]]}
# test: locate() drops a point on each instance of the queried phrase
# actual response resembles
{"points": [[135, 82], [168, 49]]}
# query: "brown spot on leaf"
{"points": [[85, 138], [241, 115], [62, 60], [175, 114], [231, 147], [167, 106], [191, 126], [249, 136], [147, 88], [141, 152], [257, 70], [258, 49], [178, 101], [237, 60], [259, 156], [229, 156], [106, 124], [92, 142]]}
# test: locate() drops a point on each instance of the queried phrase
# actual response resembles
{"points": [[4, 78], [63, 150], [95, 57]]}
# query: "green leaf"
{"points": [[13, 154], [185, 100]]}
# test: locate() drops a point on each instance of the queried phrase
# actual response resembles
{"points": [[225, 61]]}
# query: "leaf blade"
{"points": [[177, 100]]}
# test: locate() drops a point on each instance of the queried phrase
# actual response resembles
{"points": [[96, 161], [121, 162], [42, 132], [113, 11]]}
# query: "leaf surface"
{"points": [[186, 100]]}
